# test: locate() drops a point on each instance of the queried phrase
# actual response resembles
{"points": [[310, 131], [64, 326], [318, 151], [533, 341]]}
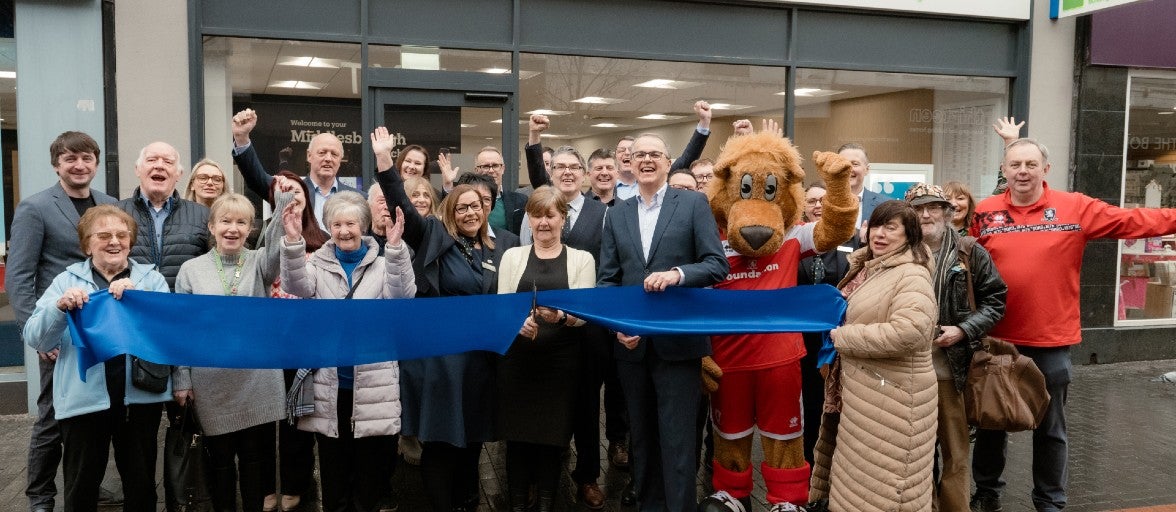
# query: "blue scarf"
{"points": [[350, 259]]}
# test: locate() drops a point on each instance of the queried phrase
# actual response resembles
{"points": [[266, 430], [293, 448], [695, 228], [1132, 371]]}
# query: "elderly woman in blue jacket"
{"points": [[106, 408]]}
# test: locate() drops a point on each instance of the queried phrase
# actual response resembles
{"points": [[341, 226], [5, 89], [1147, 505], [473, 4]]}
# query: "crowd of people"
{"points": [[925, 279]]}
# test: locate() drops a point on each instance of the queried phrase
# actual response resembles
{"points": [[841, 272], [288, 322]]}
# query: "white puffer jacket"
{"points": [[376, 410]]}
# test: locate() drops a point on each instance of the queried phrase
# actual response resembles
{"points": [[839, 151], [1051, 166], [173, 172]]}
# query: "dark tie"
{"points": [[818, 269]]}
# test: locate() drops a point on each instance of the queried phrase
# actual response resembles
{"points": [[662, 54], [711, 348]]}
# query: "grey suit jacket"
{"points": [[44, 241], [686, 237]]}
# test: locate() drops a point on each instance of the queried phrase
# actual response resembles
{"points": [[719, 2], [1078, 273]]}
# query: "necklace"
{"points": [[230, 287]]}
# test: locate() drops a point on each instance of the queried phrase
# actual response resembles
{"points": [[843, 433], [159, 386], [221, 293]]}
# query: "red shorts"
{"points": [[767, 400]]}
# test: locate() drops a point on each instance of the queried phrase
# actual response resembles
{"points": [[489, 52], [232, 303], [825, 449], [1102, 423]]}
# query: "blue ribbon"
{"points": [[250, 332]]}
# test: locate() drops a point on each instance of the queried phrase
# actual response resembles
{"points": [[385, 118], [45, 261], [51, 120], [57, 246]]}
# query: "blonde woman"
{"points": [[207, 184]]}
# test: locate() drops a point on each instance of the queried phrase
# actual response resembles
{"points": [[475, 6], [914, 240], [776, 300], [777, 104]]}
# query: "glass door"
{"points": [[453, 122]]}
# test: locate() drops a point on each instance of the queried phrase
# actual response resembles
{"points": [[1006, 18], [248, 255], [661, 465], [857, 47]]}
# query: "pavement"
{"points": [[1122, 428]]}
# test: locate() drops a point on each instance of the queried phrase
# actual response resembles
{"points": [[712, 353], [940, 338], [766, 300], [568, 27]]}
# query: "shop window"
{"points": [[915, 128], [1147, 268], [298, 88], [594, 101]]}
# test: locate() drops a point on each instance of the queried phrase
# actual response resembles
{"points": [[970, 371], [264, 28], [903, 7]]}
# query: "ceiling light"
{"points": [[663, 83], [296, 84], [309, 62], [7, 74], [463, 125], [494, 71], [609, 125], [597, 100], [728, 106], [659, 117], [547, 112], [552, 136], [1163, 113], [811, 92], [496, 121], [420, 57]]}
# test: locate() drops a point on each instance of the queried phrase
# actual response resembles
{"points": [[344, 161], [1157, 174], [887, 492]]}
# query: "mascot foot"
{"points": [[821, 505], [786, 507], [723, 502]]}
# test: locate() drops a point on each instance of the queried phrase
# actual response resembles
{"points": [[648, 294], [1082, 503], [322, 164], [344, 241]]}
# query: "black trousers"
{"points": [[133, 431], [296, 451], [450, 474], [356, 472], [247, 455], [597, 367], [44, 445], [662, 397], [530, 463]]}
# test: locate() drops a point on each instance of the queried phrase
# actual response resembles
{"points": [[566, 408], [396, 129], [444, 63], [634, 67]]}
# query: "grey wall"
{"points": [[60, 84]]}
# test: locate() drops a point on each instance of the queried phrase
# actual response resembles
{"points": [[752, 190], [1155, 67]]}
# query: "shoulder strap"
{"points": [[964, 246]]}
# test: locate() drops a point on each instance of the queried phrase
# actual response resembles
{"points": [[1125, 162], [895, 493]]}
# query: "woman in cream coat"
{"points": [[356, 408], [538, 376], [882, 449]]}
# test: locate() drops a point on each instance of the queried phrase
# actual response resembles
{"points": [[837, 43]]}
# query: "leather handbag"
{"points": [[186, 467], [148, 376], [1005, 390]]}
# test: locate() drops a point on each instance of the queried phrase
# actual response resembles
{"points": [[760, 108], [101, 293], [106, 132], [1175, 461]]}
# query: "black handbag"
{"points": [[185, 464], [148, 376]]}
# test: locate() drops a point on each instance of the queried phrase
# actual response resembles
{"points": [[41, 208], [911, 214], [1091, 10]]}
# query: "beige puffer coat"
{"points": [[376, 411], [885, 440]]}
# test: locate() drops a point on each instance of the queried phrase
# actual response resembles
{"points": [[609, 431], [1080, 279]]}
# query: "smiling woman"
{"points": [[207, 184], [236, 408]]}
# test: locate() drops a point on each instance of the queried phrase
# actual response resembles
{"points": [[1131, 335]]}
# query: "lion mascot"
{"points": [[757, 197]]}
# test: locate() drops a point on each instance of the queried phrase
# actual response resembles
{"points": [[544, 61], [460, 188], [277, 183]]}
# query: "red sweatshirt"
{"points": [[1038, 251]]}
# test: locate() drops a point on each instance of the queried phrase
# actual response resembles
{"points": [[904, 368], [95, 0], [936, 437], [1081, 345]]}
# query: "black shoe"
{"points": [[986, 503], [629, 494]]}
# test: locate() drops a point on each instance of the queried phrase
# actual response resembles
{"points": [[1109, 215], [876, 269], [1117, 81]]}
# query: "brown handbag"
{"points": [[1005, 390]]}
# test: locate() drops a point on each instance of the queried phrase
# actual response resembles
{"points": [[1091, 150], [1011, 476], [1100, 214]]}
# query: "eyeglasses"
{"points": [[461, 209], [931, 208], [566, 167], [105, 236], [652, 155], [205, 178], [704, 177], [490, 167], [486, 202], [813, 201]]}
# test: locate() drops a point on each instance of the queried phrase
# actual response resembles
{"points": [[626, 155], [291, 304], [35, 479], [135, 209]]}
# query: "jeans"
{"points": [[1050, 455]]}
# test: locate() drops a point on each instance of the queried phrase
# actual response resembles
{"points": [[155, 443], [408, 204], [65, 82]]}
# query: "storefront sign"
{"points": [[1138, 35], [1063, 8], [286, 125], [1002, 9]]}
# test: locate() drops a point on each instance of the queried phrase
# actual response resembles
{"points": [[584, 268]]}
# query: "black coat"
{"points": [[185, 234], [990, 292]]}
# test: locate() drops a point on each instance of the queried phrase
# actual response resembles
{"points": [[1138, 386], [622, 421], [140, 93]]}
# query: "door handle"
{"points": [[487, 96]]}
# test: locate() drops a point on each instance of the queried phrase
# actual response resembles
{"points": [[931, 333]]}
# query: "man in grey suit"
{"points": [[659, 238], [868, 199], [44, 241]]}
